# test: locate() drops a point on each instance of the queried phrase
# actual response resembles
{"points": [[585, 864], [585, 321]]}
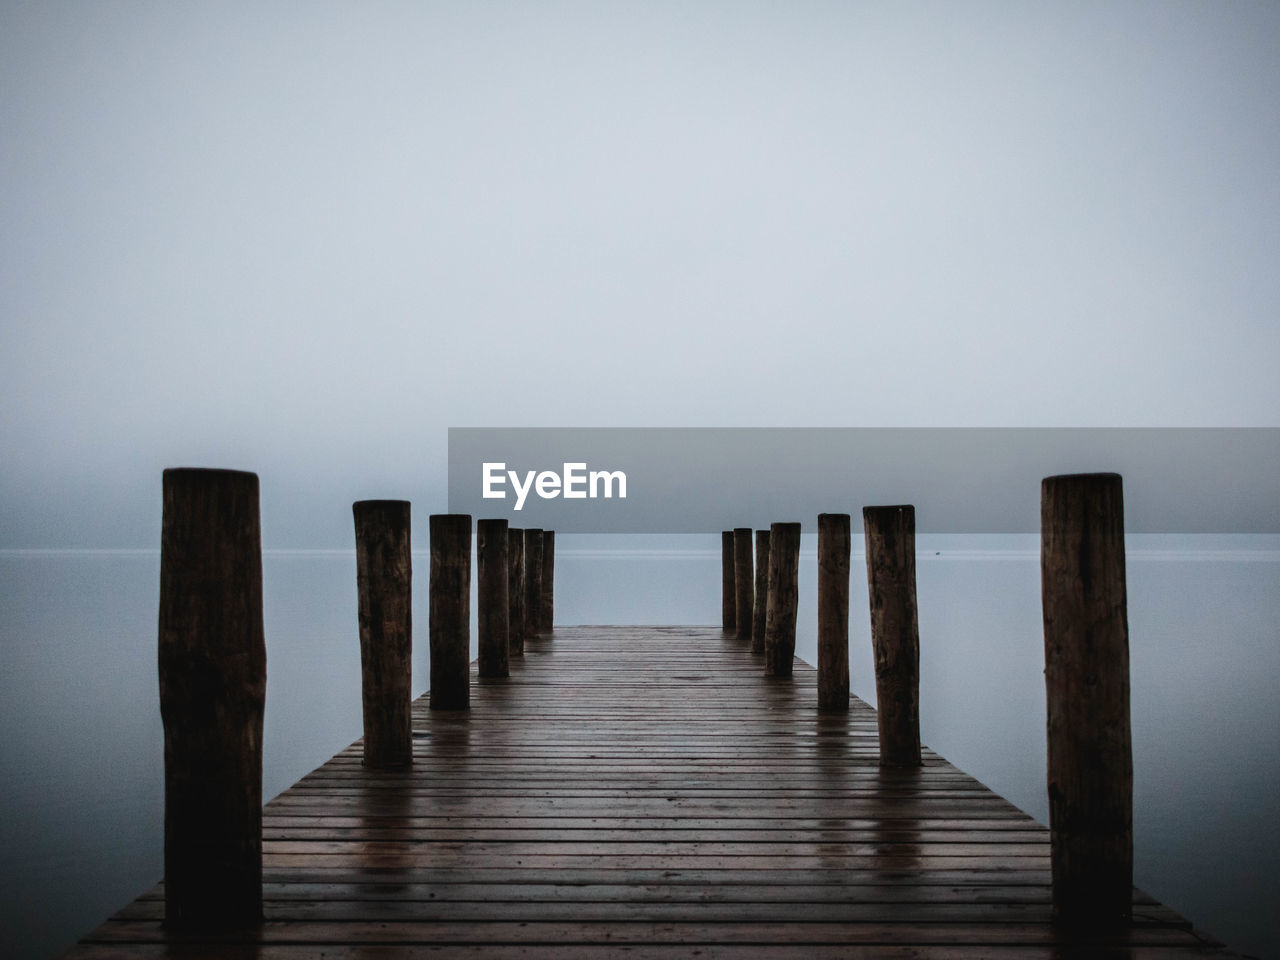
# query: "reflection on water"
{"points": [[80, 765]]}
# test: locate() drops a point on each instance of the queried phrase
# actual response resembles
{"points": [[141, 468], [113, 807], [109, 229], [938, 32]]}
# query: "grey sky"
{"points": [[305, 239]]}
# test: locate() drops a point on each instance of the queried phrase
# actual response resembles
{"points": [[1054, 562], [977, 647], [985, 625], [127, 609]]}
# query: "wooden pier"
{"points": [[647, 792]]}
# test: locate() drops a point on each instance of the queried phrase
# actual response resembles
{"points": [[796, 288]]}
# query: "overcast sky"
{"points": [[305, 239]]}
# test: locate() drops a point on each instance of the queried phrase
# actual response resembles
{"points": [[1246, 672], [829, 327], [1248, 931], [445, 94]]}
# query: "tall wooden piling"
{"points": [[213, 680], [384, 584], [744, 588], [728, 584], [895, 633], [760, 607], [492, 572], [532, 581], [833, 612], [548, 579], [515, 592], [1086, 673], [450, 598], [782, 599]]}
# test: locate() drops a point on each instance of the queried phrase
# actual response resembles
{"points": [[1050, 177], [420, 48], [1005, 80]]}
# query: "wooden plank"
{"points": [[640, 933], [1026, 875], [568, 951], [626, 910]]}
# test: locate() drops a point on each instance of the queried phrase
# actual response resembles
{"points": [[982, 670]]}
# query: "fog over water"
{"points": [[81, 775], [307, 240]]}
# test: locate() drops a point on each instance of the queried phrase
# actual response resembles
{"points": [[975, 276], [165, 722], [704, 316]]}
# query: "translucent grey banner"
{"points": [[961, 480]]}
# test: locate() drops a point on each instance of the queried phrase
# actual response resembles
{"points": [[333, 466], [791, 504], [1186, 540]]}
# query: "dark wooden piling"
{"points": [[384, 584], [760, 607], [728, 584], [450, 597], [213, 680], [782, 599], [1086, 673], [833, 612], [492, 572], [515, 592], [548, 579], [744, 588], [895, 632], [532, 581]]}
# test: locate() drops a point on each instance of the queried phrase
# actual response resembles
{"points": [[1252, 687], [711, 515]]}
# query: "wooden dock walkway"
{"points": [[646, 792]]}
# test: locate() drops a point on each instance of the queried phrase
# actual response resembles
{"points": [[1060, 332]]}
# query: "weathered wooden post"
{"points": [[532, 581], [492, 571], [833, 612], [213, 681], [895, 632], [548, 579], [450, 598], [515, 591], [728, 584], [744, 591], [760, 606], [1086, 674], [384, 584], [783, 598]]}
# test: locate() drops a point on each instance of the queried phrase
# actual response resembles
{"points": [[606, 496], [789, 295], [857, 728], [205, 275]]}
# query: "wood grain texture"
{"points": [[493, 604], [213, 679], [384, 584], [532, 582], [548, 617], [449, 590], [890, 534], [782, 599], [1086, 674], [644, 792], [515, 592], [834, 548], [728, 589], [760, 607], [744, 586]]}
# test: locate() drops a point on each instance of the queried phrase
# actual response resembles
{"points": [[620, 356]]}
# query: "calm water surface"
{"points": [[81, 779]]}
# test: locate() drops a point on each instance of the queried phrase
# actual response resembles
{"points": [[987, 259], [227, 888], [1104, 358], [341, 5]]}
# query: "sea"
{"points": [[81, 757]]}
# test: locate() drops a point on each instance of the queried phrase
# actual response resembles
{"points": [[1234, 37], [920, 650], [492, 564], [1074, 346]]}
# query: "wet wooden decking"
{"points": [[646, 792]]}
